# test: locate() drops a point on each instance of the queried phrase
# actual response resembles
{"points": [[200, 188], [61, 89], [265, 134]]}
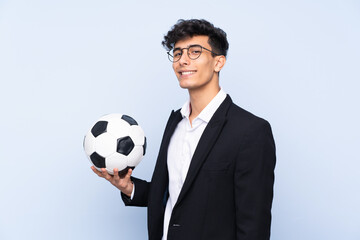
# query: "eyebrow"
{"points": [[189, 46]]}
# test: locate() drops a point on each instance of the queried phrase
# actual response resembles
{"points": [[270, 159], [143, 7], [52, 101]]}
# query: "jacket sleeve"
{"points": [[253, 183], [140, 198]]}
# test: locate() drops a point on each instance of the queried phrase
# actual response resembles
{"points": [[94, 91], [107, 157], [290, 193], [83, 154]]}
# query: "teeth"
{"points": [[186, 73]]}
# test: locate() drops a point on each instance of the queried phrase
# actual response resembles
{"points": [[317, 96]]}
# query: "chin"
{"points": [[185, 85]]}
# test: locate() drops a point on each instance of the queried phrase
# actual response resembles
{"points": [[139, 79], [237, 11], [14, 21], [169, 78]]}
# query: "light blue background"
{"points": [[64, 64]]}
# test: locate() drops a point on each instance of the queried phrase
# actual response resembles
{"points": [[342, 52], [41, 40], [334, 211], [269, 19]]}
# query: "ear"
{"points": [[219, 63]]}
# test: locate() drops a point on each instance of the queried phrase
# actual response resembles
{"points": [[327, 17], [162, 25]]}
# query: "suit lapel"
{"points": [[174, 119], [206, 142], [161, 165]]}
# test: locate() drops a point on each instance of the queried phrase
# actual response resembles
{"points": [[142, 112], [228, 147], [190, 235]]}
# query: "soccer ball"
{"points": [[115, 141]]}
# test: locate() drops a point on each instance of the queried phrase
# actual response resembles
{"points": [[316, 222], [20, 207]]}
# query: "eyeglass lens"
{"points": [[193, 52]]}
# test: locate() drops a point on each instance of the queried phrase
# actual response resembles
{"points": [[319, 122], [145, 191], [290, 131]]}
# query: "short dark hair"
{"points": [[197, 27]]}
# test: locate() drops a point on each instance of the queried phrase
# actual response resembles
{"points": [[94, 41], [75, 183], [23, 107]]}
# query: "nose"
{"points": [[184, 59]]}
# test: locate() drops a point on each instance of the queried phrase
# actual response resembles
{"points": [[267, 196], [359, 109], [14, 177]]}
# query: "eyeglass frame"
{"points": [[182, 51]]}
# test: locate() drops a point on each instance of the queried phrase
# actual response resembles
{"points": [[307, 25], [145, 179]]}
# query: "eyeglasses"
{"points": [[194, 52]]}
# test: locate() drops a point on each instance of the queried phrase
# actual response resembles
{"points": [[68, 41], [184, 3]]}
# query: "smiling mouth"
{"points": [[185, 73]]}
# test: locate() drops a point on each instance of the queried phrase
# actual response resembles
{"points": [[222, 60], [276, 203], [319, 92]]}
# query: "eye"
{"points": [[194, 51], [177, 54]]}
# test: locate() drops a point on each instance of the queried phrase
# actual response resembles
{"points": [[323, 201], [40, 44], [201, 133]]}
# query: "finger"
{"points": [[105, 174], [116, 174], [97, 172]]}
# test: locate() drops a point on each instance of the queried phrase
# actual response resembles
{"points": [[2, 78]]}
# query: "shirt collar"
{"points": [[207, 113]]}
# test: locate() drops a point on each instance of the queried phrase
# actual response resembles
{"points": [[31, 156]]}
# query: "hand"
{"points": [[123, 183]]}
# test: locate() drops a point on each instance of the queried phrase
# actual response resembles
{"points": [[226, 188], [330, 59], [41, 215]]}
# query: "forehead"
{"points": [[199, 40]]}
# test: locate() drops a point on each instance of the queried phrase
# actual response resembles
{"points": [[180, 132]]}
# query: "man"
{"points": [[214, 175]]}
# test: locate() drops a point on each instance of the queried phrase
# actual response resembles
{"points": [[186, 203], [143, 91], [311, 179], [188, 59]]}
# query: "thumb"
{"points": [[125, 175], [128, 175]]}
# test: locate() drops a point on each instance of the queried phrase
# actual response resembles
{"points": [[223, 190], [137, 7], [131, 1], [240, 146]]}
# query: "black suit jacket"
{"points": [[228, 191]]}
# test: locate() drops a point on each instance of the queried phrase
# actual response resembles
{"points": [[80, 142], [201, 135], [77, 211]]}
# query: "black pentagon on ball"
{"points": [[99, 128], [144, 146], [129, 120], [125, 145], [97, 160]]}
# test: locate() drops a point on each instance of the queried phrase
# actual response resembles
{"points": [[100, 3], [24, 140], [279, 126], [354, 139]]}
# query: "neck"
{"points": [[200, 99]]}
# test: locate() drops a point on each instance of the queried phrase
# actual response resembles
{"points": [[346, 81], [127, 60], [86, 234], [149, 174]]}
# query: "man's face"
{"points": [[199, 73]]}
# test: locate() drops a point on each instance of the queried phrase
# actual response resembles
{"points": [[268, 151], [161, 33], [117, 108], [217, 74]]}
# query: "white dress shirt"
{"points": [[182, 147]]}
